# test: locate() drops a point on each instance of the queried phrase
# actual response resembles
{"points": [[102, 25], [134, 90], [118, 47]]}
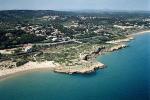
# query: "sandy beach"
{"points": [[129, 38], [138, 33], [120, 40], [28, 66]]}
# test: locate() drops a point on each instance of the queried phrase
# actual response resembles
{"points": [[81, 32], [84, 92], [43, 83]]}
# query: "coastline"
{"points": [[138, 33], [56, 67], [88, 66], [81, 70], [28, 67], [129, 37]]}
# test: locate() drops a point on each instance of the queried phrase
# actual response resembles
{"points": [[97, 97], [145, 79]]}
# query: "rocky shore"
{"points": [[81, 70], [88, 66], [116, 47]]}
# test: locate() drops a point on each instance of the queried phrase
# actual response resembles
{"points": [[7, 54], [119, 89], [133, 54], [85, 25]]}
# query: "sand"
{"points": [[138, 33], [28, 66], [129, 37]]}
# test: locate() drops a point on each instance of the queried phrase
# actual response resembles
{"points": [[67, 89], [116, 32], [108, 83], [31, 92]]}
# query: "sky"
{"points": [[75, 5]]}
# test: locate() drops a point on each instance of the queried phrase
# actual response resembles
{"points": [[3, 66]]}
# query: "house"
{"points": [[28, 48]]}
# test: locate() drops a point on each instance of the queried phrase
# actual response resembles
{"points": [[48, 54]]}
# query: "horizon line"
{"points": [[81, 10]]}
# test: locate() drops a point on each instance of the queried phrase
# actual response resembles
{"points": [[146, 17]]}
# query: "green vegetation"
{"points": [[20, 62], [69, 54], [48, 31], [11, 38]]}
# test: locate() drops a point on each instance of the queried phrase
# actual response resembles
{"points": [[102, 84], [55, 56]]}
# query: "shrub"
{"points": [[21, 62]]}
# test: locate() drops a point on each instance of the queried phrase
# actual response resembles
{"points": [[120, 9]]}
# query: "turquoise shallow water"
{"points": [[127, 77]]}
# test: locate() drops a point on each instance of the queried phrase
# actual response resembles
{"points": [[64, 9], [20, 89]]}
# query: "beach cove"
{"points": [[125, 78], [119, 44]]}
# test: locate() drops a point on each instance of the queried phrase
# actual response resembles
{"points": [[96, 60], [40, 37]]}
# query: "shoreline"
{"points": [[138, 33], [50, 65], [85, 69], [46, 65], [23, 72], [129, 37]]}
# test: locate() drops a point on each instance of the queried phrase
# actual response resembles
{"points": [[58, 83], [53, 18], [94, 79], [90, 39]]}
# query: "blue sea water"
{"points": [[127, 77]]}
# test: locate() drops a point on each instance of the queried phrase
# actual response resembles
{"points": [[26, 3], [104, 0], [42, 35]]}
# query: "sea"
{"points": [[126, 77]]}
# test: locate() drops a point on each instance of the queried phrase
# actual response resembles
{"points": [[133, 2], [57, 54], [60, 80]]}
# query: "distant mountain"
{"points": [[9, 15], [107, 10], [35, 13]]}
